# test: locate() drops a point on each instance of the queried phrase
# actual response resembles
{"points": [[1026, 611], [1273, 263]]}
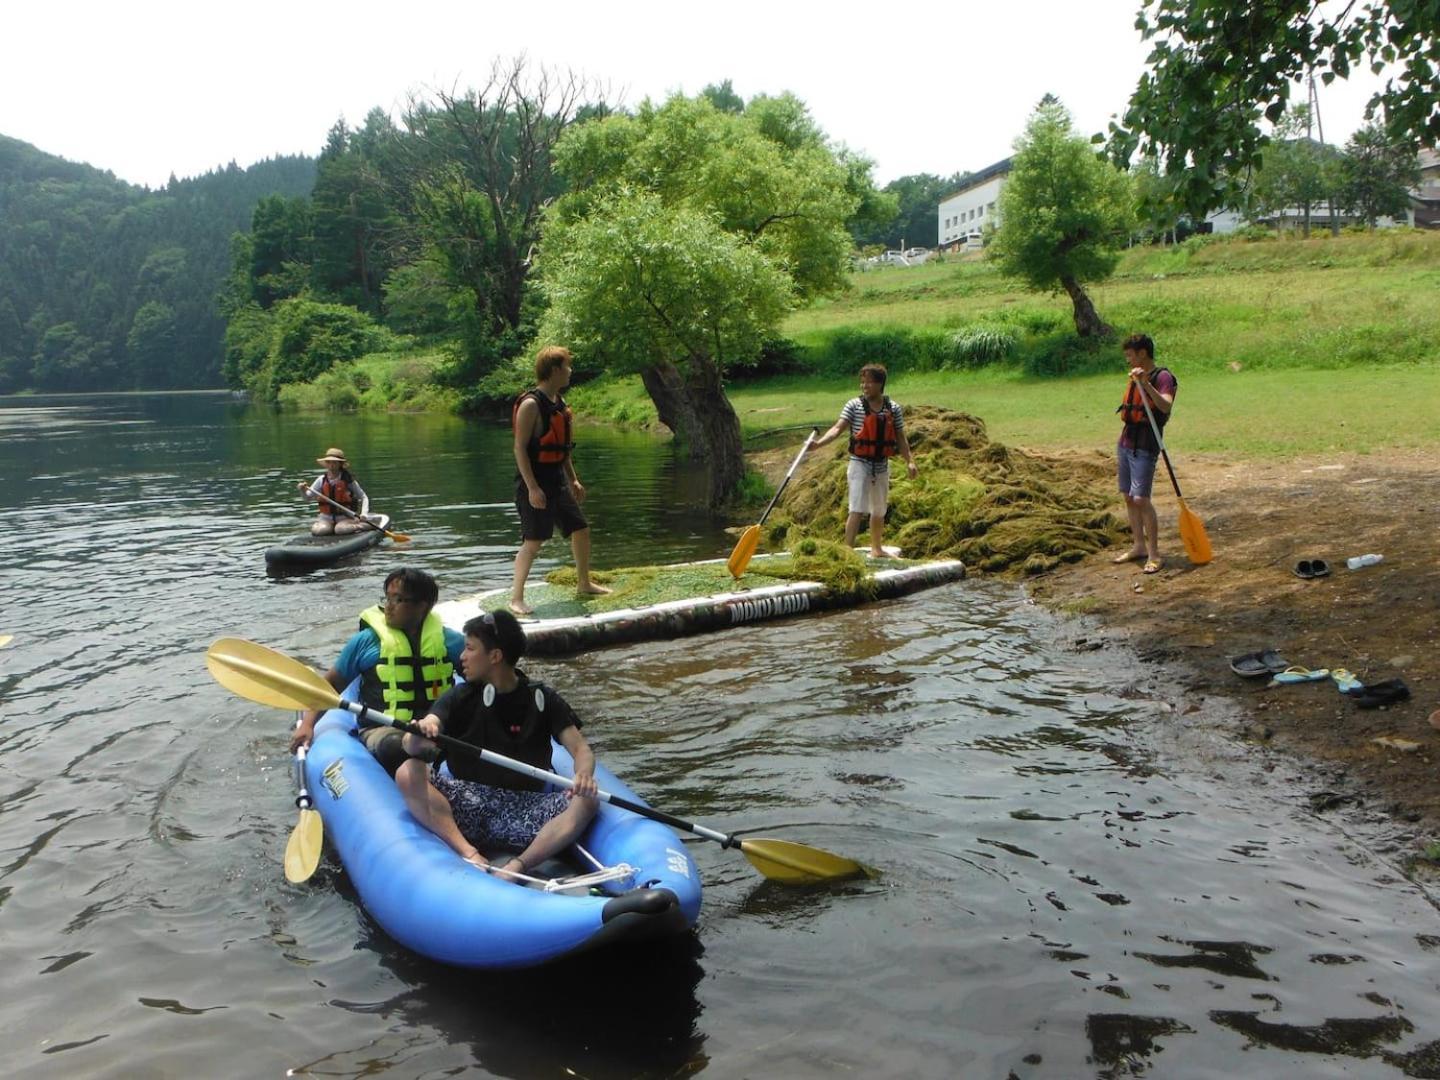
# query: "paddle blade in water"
{"points": [[267, 677], [1192, 535], [797, 864], [302, 852], [744, 551], [5, 639]]}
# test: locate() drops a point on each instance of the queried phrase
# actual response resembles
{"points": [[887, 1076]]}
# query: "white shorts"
{"points": [[869, 491]]}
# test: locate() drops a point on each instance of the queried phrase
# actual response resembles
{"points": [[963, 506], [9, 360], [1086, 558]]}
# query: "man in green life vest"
{"points": [[405, 659]]}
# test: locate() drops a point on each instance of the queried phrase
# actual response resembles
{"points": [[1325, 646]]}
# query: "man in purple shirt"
{"points": [[1138, 451]]}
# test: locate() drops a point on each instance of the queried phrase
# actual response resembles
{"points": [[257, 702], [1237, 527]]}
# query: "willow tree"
{"points": [[1064, 214], [685, 237]]}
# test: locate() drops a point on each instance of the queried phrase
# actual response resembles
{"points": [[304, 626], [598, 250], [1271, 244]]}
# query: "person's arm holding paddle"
{"points": [[356, 491], [304, 733], [1159, 401], [526, 417], [843, 424], [584, 759]]}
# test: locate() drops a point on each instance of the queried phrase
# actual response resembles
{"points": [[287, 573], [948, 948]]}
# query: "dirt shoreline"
{"points": [[1380, 622]]}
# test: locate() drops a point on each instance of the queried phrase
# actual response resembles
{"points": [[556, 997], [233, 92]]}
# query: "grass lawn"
{"points": [[1282, 348]]}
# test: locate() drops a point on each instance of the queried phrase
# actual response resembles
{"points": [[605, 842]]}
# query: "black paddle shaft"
{"points": [[780, 490], [347, 510], [723, 839]]}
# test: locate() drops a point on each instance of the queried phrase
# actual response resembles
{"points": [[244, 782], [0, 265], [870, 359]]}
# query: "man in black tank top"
{"points": [[547, 491]]}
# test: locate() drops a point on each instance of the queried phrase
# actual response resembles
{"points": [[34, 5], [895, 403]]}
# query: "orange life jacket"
{"points": [[1132, 409], [554, 443], [875, 441], [339, 490]]}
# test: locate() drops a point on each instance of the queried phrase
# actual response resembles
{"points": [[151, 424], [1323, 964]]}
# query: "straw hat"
{"points": [[333, 454]]}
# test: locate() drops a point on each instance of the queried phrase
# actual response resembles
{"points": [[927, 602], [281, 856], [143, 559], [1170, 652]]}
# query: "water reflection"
{"points": [[599, 1015], [1057, 898]]}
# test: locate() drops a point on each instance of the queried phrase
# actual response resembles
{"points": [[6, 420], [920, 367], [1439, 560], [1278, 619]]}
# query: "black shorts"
{"points": [[560, 508]]}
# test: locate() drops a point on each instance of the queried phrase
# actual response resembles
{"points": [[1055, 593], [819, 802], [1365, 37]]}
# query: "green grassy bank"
{"points": [[1282, 347]]}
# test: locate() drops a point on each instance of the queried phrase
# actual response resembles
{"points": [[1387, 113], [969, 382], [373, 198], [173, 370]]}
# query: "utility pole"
{"points": [[1320, 130]]}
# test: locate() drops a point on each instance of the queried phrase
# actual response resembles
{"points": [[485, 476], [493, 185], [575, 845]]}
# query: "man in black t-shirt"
{"points": [[498, 708]]}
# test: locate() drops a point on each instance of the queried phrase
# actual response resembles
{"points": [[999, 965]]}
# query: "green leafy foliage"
{"points": [[639, 283], [1377, 174], [1064, 212], [104, 285], [308, 338], [1219, 69]]}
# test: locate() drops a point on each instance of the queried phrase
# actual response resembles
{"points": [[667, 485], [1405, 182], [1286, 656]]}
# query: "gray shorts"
{"points": [[1135, 471], [498, 817]]}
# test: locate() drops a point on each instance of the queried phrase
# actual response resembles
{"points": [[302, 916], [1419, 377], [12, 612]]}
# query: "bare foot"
{"points": [[518, 608], [878, 553], [591, 589], [1129, 556]]}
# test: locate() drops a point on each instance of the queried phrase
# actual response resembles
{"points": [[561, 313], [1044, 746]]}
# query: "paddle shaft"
{"points": [[793, 466], [364, 713], [398, 537], [302, 797], [1159, 441], [342, 508]]}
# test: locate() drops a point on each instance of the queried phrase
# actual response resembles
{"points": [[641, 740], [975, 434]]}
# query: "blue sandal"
{"points": [[1299, 674], [1345, 682]]}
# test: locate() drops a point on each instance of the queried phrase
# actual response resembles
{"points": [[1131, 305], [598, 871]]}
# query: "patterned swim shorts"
{"points": [[498, 817]]}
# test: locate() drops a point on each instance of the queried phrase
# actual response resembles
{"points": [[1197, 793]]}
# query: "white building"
{"points": [[965, 212]]}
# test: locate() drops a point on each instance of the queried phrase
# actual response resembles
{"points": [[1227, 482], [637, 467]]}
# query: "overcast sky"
{"points": [[151, 88]]}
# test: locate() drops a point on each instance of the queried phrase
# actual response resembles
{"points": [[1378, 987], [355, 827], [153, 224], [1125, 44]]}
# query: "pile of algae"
{"points": [[997, 510]]}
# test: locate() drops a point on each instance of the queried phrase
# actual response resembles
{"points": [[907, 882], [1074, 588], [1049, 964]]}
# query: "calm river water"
{"points": [[1057, 900]]}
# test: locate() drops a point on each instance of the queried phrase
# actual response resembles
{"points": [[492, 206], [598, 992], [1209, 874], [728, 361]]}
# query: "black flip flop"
{"points": [[1255, 664], [1305, 568], [1319, 568], [1385, 692]]}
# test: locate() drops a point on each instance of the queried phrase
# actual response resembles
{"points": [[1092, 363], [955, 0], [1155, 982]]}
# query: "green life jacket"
{"points": [[405, 688]]}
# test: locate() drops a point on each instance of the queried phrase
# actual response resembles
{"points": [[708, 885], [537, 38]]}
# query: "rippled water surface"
{"points": [[1056, 900]]}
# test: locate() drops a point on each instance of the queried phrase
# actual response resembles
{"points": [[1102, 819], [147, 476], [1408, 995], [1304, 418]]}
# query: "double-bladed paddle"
{"points": [[399, 538], [1192, 529], [750, 538], [271, 678]]}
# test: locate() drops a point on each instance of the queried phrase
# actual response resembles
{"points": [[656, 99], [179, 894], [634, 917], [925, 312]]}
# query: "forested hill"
{"points": [[106, 286]]}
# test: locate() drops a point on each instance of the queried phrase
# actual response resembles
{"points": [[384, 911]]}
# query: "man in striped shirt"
{"points": [[876, 426]]}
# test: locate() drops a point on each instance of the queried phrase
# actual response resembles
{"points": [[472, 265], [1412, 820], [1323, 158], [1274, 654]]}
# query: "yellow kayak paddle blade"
{"points": [[1192, 535], [744, 551], [798, 864], [5, 639], [302, 852], [268, 677]]}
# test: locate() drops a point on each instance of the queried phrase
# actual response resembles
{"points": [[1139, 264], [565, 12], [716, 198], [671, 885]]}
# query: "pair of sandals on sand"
{"points": [[1152, 566], [1312, 568], [1282, 673]]}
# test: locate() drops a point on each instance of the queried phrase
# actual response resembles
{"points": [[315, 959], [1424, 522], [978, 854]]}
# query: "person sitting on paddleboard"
{"points": [[336, 484], [876, 426], [383, 654], [547, 491], [1137, 451], [469, 802]]}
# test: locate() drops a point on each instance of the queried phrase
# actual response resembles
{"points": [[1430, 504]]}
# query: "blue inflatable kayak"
{"points": [[432, 902]]}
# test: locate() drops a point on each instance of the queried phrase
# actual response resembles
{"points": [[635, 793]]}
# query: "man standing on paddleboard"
{"points": [[876, 426]]}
